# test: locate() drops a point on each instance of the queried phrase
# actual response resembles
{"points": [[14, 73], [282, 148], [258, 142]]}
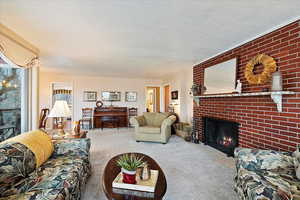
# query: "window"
{"points": [[11, 81]]}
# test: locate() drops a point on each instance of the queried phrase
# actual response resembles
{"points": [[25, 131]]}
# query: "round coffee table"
{"points": [[112, 170]]}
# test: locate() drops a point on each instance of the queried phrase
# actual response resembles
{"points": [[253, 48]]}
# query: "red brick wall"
{"points": [[261, 126]]}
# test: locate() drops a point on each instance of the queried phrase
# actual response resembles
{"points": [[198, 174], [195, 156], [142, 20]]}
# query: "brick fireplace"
{"points": [[261, 125], [221, 134]]}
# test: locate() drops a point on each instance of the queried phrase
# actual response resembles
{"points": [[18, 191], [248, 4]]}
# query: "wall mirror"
{"points": [[220, 78]]}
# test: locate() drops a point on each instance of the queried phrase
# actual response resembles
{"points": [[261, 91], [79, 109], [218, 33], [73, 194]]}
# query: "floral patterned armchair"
{"points": [[265, 175]]}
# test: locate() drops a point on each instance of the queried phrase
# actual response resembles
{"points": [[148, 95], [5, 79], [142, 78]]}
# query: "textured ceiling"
{"points": [[138, 38]]}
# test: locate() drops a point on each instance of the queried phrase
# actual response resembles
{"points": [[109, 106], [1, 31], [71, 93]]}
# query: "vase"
{"points": [[145, 173], [129, 176], [277, 81]]}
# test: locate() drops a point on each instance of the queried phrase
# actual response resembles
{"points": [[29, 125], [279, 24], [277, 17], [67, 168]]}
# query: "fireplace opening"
{"points": [[221, 134]]}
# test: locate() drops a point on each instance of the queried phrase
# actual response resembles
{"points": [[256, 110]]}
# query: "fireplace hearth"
{"points": [[221, 134]]}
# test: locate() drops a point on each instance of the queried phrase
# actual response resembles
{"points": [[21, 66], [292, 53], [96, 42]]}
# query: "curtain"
{"points": [[62, 94], [17, 52], [16, 49]]}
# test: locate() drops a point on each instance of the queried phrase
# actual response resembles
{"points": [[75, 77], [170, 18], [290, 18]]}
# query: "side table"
{"points": [[69, 134]]}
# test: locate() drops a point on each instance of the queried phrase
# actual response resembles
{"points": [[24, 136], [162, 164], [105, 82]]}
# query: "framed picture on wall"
{"points": [[110, 96], [174, 95], [131, 96], [89, 96]]}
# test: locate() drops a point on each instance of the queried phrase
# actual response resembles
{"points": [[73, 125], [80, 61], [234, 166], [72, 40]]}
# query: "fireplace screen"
{"points": [[221, 134]]}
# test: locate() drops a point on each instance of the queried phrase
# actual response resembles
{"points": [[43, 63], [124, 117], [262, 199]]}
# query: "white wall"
{"points": [[93, 83], [182, 81]]}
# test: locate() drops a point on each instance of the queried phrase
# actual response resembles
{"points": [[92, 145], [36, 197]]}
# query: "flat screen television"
{"points": [[220, 78]]}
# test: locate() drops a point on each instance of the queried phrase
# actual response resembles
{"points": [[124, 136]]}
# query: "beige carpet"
{"points": [[193, 171]]}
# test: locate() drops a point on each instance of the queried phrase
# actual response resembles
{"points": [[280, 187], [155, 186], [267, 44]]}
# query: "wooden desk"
{"points": [[119, 113]]}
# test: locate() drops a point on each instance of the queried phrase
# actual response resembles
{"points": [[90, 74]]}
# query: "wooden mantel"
{"points": [[276, 96]]}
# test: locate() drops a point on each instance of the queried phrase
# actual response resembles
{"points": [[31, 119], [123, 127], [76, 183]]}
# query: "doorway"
{"points": [[153, 99], [167, 97], [62, 91]]}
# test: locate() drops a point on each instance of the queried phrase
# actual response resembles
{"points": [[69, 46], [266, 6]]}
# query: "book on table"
{"points": [[141, 185], [134, 193]]}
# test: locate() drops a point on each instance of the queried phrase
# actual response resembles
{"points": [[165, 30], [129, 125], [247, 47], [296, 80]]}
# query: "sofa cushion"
{"points": [[267, 185], [154, 118], [16, 162], [255, 159], [265, 174], [296, 156], [149, 129], [59, 177], [74, 147], [149, 118]]}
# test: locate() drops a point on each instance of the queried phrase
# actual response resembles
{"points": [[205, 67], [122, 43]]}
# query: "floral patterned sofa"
{"points": [[61, 177], [265, 175]]}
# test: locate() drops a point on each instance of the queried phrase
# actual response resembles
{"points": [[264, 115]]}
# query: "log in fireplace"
{"points": [[221, 134]]}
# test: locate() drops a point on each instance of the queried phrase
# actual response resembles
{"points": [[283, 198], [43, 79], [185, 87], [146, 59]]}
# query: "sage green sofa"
{"points": [[153, 127]]}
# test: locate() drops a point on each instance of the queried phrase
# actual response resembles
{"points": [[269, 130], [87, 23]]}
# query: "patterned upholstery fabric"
{"points": [[16, 162], [7, 134], [61, 177], [38, 142], [265, 175]]}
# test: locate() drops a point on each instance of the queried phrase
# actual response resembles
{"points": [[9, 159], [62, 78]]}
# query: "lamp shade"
{"points": [[60, 109]]}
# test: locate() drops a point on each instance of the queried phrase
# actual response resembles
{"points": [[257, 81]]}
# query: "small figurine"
{"points": [[238, 87], [195, 90]]}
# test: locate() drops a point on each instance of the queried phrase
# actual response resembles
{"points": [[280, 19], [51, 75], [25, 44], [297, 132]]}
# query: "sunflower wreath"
{"points": [[269, 67]]}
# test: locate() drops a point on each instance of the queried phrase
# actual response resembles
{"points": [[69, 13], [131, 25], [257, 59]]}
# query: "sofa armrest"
{"points": [[166, 127], [255, 159], [138, 121], [71, 147], [168, 121]]}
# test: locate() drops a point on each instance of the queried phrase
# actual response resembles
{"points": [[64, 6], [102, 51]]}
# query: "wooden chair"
{"points": [[87, 118], [132, 112], [43, 118]]}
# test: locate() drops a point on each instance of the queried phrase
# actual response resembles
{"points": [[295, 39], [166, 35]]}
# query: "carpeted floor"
{"points": [[193, 171]]}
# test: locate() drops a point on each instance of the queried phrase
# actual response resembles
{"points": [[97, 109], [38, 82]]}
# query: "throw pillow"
{"points": [[296, 156], [39, 142]]}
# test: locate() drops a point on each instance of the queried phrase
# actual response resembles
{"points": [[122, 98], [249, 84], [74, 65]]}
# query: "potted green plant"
{"points": [[129, 163]]}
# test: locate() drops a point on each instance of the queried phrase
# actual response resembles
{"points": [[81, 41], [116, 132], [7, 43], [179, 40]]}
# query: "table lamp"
{"points": [[60, 110]]}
